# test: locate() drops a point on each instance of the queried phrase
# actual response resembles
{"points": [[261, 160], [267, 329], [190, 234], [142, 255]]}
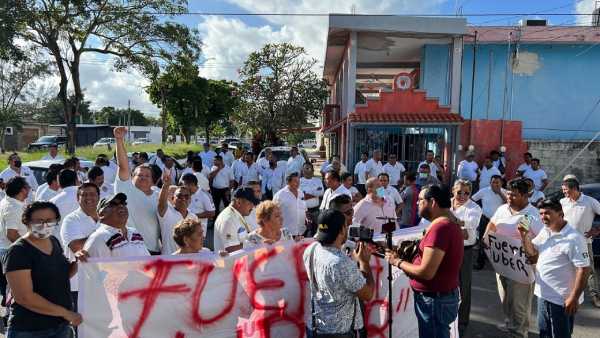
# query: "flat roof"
{"points": [[535, 34]]}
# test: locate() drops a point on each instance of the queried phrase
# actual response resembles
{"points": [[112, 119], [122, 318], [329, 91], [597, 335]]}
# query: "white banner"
{"points": [[508, 258], [261, 293]]}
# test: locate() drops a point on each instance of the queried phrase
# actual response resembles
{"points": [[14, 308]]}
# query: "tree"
{"points": [[51, 111], [130, 31], [221, 103], [278, 90], [15, 78], [10, 24], [119, 117]]}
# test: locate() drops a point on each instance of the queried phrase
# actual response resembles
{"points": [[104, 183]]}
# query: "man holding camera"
{"points": [[336, 282]]}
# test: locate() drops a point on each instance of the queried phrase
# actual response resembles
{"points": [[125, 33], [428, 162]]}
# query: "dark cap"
{"points": [[103, 203], [330, 223], [247, 194]]}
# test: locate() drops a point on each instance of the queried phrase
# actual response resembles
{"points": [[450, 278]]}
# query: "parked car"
{"points": [[592, 190], [46, 141], [308, 143], [142, 140], [283, 153], [104, 142], [230, 140], [40, 168]]}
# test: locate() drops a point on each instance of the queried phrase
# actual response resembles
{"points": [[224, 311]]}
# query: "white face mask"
{"points": [[43, 230]]}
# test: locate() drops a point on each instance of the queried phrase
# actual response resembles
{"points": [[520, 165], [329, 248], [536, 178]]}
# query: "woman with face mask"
{"points": [[38, 276]]}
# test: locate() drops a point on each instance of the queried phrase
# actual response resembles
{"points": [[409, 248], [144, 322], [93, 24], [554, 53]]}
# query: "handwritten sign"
{"points": [[261, 293], [508, 258]]}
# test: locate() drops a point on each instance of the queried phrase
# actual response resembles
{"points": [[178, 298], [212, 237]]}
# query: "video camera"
{"points": [[361, 233]]}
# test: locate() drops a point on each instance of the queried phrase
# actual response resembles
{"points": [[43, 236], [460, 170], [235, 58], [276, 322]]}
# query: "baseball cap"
{"points": [[330, 223], [247, 194], [103, 203]]}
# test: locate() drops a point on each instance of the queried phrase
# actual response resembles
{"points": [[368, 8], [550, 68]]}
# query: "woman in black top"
{"points": [[38, 275]]}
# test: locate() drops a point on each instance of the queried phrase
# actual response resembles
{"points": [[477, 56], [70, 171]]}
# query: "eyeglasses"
{"points": [[463, 193]]}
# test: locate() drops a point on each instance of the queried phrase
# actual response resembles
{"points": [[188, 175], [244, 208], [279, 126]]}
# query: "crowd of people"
{"points": [[141, 206]]}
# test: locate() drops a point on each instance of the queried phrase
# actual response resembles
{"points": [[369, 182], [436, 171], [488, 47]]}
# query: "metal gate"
{"points": [[408, 143]]}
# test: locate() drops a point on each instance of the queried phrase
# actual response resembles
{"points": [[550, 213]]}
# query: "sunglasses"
{"points": [[463, 193]]}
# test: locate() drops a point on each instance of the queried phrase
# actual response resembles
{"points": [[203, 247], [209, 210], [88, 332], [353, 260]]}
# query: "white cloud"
{"points": [[227, 42], [585, 7]]}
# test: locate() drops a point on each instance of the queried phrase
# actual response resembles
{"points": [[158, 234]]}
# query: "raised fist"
{"points": [[120, 132]]}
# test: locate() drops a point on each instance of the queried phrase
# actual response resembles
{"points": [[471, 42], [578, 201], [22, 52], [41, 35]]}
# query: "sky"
{"points": [[227, 40]]}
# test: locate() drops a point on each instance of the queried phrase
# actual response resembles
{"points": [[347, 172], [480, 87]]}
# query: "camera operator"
{"points": [[435, 269], [336, 282]]}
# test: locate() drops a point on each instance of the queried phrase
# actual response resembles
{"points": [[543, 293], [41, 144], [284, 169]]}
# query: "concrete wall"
{"points": [[555, 155], [554, 87]]}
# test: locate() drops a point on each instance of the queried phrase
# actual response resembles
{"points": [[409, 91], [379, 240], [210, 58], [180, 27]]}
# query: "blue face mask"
{"points": [[380, 192]]}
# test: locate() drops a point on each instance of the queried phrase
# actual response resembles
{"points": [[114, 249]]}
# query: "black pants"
{"points": [[220, 195], [466, 273], [481, 231]]}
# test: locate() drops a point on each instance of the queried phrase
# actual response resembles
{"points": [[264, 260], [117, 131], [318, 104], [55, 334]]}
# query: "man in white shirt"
{"points": [[348, 183], [200, 172], [247, 172], [562, 264], [207, 156], [535, 196], [526, 165], [491, 198], [201, 203], [374, 166], [143, 201], [52, 154], [487, 171], [263, 162], [230, 226], [360, 170], [79, 225], [158, 159], [74, 164], [295, 162], [113, 238], [51, 188], [580, 211], [312, 187], [251, 219], [293, 208], [498, 161], [16, 168], [96, 176], [515, 297], [334, 188], [394, 170], [66, 200], [468, 168], [273, 176], [226, 154], [222, 180], [169, 214], [170, 166], [391, 193], [108, 172], [538, 175], [433, 168]]}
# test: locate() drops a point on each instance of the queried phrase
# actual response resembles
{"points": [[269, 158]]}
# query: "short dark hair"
{"points": [[495, 177], [15, 185], [384, 174], [67, 178], [87, 185], [94, 173], [494, 152], [251, 183], [411, 176], [56, 167], [364, 153], [537, 160], [71, 162], [571, 183], [197, 165], [35, 206], [550, 204], [528, 154], [424, 165], [337, 202], [51, 176], [334, 175], [520, 185], [218, 157], [144, 155], [440, 194], [189, 179], [345, 176], [291, 176], [429, 151]]}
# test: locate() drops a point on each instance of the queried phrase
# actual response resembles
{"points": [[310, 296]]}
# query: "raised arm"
{"points": [[122, 160], [164, 192]]}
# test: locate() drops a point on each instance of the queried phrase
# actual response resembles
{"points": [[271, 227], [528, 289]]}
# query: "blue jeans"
{"points": [[435, 314], [553, 321], [62, 331]]}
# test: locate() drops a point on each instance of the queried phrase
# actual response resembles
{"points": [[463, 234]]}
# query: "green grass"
{"points": [[178, 150]]}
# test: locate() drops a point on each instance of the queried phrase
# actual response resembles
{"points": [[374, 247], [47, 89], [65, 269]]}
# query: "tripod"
{"points": [[388, 228]]}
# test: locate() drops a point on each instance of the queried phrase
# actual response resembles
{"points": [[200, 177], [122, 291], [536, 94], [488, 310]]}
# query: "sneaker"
{"points": [[596, 301]]}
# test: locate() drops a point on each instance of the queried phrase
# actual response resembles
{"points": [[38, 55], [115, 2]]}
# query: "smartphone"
{"points": [[525, 222]]}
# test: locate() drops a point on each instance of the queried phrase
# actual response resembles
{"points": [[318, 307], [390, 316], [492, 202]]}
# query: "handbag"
{"points": [[314, 332]]}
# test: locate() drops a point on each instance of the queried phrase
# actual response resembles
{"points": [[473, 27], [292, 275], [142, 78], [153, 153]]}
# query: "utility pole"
{"points": [[129, 120]]}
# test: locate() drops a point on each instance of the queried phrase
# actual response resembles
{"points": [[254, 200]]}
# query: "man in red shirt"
{"points": [[434, 271]]}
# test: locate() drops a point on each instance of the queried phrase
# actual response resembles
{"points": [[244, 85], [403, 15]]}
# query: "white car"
{"points": [[40, 168], [139, 141], [283, 153], [308, 144], [105, 142]]}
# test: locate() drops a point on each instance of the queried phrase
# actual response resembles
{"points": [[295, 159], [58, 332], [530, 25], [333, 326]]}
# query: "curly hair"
{"points": [[265, 210], [185, 228]]}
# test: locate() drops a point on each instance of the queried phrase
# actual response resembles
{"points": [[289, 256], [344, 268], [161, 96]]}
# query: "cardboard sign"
{"points": [[508, 258], [260, 293]]}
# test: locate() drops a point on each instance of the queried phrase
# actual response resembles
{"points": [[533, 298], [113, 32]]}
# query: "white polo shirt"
{"points": [[202, 180], [49, 157], [560, 254], [523, 167], [580, 214], [11, 211], [486, 176], [230, 229], [313, 186], [294, 164], [108, 241], [360, 170], [201, 201], [208, 158], [293, 210], [76, 225], [106, 190], [227, 158], [506, 221], [470, 214], [330, 194], [393, 194], [44, 193], [538, 176], [222, 178], [467, 170], [110, 174], [374, 168], [167, 223], [490, 201], [247, 174], [394, 172], [26, 173], [66, 202], [142, 212]]}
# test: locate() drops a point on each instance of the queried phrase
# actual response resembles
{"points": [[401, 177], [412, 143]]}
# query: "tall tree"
{"points": [[134, 32], [221, 102], [279, 90], [118, 116], [10, 24], [51, 110]]}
